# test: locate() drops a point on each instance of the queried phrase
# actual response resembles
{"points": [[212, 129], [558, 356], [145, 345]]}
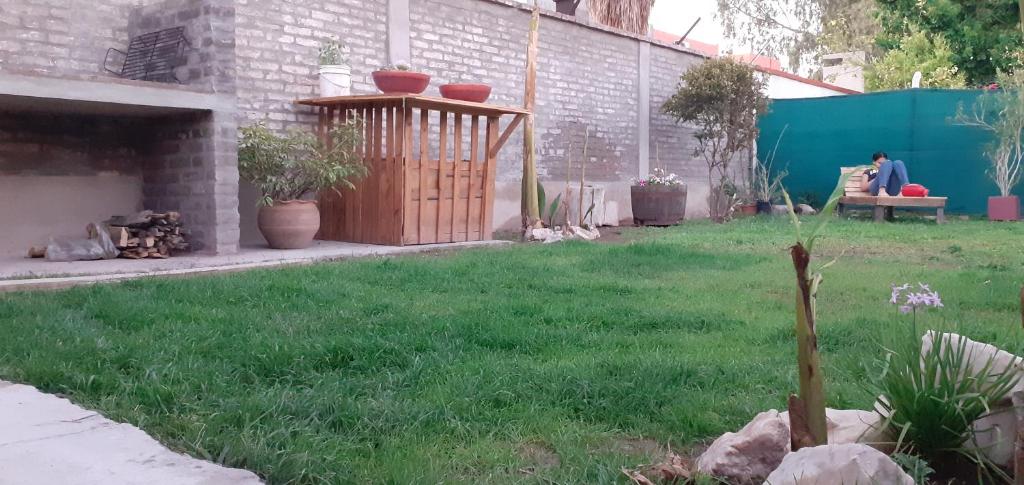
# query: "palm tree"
{"points": [[628, 15]]}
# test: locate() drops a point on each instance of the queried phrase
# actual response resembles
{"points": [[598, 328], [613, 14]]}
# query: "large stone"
{"points": [[750, 454], [838, 465], [995, 433], [852, 426]]}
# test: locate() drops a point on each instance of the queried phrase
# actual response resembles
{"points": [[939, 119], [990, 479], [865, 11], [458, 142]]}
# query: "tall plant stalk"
{"points": [[583, 173], [809, 426], [530, 201]]}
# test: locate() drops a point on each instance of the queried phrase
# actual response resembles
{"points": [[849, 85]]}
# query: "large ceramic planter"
{"points": [[400, 82], [748, 209], [476, 93], [289, 224], [658, 205], [1004, 208], [335, 80]]}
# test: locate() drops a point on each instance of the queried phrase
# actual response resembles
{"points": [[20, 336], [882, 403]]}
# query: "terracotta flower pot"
{"points": [[658, 205], [1004, 208], [289, 224], [748, 209], [476, 93], [400, 82]]}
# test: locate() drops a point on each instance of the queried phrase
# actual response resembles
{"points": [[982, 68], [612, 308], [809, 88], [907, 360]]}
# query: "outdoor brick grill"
{"points": [[432, 164]]}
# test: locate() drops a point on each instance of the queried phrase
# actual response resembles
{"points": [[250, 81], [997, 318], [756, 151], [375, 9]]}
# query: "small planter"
{"points": [[289, 224], [400, 82], [764, 207], [658, 205], [476, 93], [1004, 208], [335, 80], [748, 209]]}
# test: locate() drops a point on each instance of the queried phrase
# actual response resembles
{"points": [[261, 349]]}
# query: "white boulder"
{"points": [[852, 426], [750, 454], [838, 465]]}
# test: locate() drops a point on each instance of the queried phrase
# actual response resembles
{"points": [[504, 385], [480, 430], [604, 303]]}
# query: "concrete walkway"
{"points": [[48, 440], [20, 273]]}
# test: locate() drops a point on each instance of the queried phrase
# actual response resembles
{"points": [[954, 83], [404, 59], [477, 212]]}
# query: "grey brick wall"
{"points": [[44, 145], [277, 43], [671, 144]]}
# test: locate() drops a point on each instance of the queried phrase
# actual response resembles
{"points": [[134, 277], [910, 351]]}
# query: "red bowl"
{"points": [[400, 82], [476, 93]]}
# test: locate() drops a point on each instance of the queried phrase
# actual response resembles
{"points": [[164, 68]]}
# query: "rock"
{"points": [[994, 433], [805, 209], [838, 465], [750, 454], [847, 426], [780, 210]]}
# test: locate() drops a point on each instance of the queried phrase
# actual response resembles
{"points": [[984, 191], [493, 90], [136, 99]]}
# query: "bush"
{"points": [[294, 165]]}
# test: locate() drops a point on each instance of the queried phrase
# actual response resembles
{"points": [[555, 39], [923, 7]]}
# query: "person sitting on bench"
{"points": [[887, 178]]}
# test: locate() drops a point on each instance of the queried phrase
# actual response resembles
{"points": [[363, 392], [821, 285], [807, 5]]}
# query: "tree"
{"points": [[801, 29], [723, 99], [916, 52], [984, 36]]}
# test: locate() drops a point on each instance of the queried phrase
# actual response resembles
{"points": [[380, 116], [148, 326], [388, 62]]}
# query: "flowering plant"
{"points": [[658, 176], [909, 300]]}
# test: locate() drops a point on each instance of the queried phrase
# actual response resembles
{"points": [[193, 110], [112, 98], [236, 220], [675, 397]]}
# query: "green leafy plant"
{"points": [[914, 465], [548, 210], [768, 187], [332, 53], [930, 398], [1001, 112], [809, 406], [917, 52], [288, 167], [398, 66]]}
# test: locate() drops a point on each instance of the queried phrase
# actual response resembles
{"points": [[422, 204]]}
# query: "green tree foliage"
{"points": [[801, 29], [722, 98], [916, 52], [984, 36]]}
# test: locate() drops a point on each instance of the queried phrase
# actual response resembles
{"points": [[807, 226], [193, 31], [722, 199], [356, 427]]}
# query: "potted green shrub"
{"points": [[335, 73], [287, 169], [659, 199], [1001, 112], [766, 187], [400, 79]]}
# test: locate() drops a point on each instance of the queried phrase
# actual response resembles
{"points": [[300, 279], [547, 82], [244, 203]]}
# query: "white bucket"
{"points": [[335, 80]]}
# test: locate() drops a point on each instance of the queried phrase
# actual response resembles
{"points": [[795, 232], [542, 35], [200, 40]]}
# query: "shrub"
{"points": [[291, 166]]}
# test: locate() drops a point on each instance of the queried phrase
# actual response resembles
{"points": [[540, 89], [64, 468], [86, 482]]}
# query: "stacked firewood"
{"points": [[148, 234]]}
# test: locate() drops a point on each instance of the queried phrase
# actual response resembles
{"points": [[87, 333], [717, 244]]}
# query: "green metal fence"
{"points": [[916, 126]]}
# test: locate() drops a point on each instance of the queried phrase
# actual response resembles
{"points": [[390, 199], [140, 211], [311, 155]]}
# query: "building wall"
{"points": [[784, 88]]}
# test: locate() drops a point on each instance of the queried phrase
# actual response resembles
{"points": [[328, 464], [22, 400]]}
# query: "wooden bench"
{"points": [[854, 196]]}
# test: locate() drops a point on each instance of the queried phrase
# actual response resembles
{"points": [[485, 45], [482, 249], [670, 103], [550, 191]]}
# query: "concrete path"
{"points": [[47, 440], [21, 273]]}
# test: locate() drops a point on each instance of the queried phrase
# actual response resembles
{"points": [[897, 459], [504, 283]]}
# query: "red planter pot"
{"points": [[400, 82], [1004, 208], [748, 209], [476, 93]]}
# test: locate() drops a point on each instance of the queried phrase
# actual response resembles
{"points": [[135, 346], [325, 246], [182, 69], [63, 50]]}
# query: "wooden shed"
{"points": [[432, 164]]}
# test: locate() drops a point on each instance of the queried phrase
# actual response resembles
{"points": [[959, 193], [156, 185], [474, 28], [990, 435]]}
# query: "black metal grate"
{"points": [[154, 56]]}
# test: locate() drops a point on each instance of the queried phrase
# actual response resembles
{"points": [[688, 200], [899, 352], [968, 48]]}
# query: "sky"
{"points": [[676, 16]]}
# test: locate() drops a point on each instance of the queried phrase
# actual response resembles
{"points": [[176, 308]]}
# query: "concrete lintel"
{"points": [[114, 97], [399, 48], [643, 98]]}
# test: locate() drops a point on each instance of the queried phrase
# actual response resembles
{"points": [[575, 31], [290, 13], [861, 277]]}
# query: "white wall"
{"points": [[784, 88]]}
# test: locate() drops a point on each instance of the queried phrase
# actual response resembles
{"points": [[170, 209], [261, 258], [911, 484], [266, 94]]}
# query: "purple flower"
{"points": [[908, 300]]}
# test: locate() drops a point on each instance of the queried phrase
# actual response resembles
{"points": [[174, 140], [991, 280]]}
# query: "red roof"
{"points": [[710, 50], [812, 82]]}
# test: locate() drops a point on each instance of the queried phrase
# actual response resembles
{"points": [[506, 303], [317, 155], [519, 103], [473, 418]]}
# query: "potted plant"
{"points": [[765, 186], [335, 73], [286, 169], [659, 199], [1001, 112], [400, 79]]}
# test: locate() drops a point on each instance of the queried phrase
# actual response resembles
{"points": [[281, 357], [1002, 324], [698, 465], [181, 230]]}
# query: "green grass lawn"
{"points": [[554, 363]]}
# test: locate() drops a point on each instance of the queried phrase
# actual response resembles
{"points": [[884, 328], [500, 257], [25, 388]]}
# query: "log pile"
{"points": [[148, 234]]}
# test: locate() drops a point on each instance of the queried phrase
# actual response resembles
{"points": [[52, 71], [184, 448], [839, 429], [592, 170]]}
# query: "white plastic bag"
{"points": [[97, 246]]}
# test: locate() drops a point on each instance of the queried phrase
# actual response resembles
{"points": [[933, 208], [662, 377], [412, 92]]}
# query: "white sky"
{"points": [[676, 16]]}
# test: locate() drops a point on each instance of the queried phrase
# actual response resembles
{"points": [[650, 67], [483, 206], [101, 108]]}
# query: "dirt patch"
{"points": [[539, 456]]}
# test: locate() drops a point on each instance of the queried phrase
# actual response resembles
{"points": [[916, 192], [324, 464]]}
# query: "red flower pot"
{"points": [[1004, 208], [748, 209], [476, 93], [400, 82]]}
